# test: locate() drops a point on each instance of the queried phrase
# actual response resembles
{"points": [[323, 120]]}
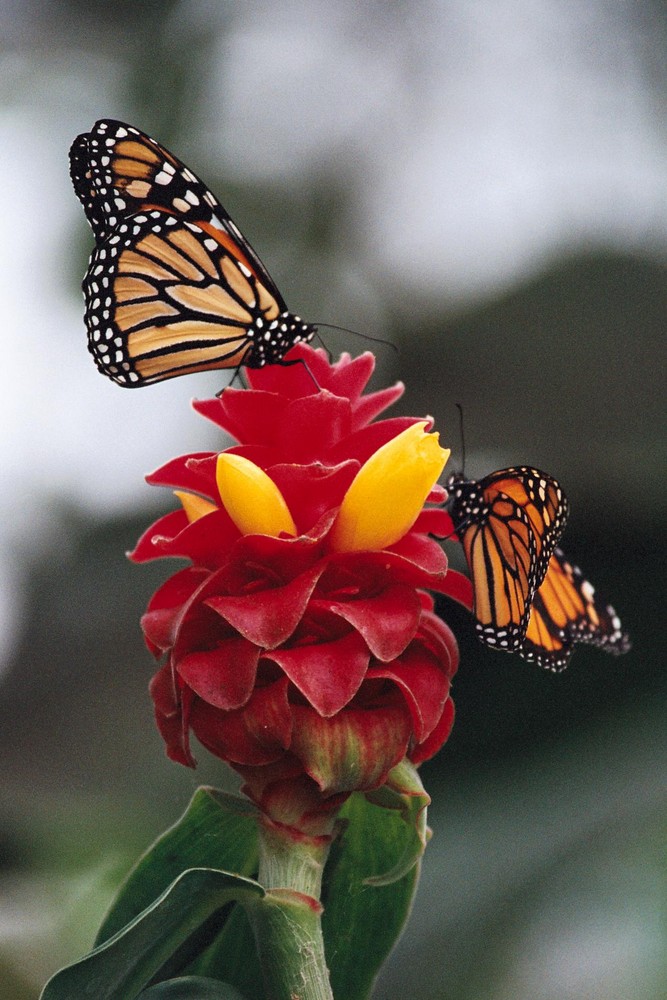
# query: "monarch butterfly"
{"points": [[527, 597], [172, 286]]}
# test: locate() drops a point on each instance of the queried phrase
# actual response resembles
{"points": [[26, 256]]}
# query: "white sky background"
{"points": [[487, 136], [480, 139]]}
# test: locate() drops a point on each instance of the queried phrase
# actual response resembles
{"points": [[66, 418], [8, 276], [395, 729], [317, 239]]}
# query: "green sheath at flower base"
{"points": [[251, 498], [388, 493]]}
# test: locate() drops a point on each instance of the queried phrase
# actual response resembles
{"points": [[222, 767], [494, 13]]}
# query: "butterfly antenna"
{"points": [[355, 333], [323, 346]]}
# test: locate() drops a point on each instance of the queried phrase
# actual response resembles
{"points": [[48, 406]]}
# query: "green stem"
{"points": [[287, 922]]}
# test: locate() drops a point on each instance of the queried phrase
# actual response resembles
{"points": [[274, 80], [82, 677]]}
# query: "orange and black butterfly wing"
{"points": [[172, 287], [499, 546], [509, 523], [542, 499], [164, 298], [117, 170], [86, 190], [567, 610]]}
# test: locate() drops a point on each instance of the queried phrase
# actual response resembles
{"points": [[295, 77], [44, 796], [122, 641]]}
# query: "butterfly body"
{"points": [[172, 287]]}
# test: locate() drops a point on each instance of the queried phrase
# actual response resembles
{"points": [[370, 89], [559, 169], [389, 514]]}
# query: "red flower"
{"points": [[300, 643]]}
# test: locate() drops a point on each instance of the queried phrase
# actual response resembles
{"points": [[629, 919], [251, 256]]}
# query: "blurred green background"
{"points": [[485, 185]]}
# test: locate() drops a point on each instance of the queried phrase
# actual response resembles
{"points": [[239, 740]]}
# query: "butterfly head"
{"points": [[465, 501], [461, 491]]}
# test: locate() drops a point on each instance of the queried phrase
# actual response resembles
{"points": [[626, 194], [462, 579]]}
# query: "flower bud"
{"points": [[194, 505], [388, 493], [251, 498]]}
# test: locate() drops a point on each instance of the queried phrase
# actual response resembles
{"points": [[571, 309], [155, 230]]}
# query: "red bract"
{"points": [[312, 671]]}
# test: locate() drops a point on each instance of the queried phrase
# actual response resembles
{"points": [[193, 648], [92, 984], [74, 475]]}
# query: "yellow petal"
{"points": [[388, 493], [251, 498], [194, 506]]}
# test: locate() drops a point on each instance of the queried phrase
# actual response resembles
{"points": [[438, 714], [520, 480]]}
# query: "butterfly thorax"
{"points": [[271, 341]]}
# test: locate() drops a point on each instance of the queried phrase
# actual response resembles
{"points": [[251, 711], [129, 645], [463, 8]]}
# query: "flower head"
{"points": [[300, 643]]}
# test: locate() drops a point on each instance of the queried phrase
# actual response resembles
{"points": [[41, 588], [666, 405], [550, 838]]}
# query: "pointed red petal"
{"points": [[365, 442], [150, 544], [268, 617], [459, 588], [423, 683], [424, 553], [206, 541], [250, 417], [165, 609], [438, 636], [223, 677], [194, 472], [434, 521], [439, 735], [387, 621], [328, 674], [312, 490], [368, 407], [256, 735], [169, 717]]}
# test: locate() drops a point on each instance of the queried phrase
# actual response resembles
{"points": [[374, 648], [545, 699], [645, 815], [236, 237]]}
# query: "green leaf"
{"points": [[216, 831], [191, 988], [364, 916], [232, 956], [405, 793], [121, 967]]}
